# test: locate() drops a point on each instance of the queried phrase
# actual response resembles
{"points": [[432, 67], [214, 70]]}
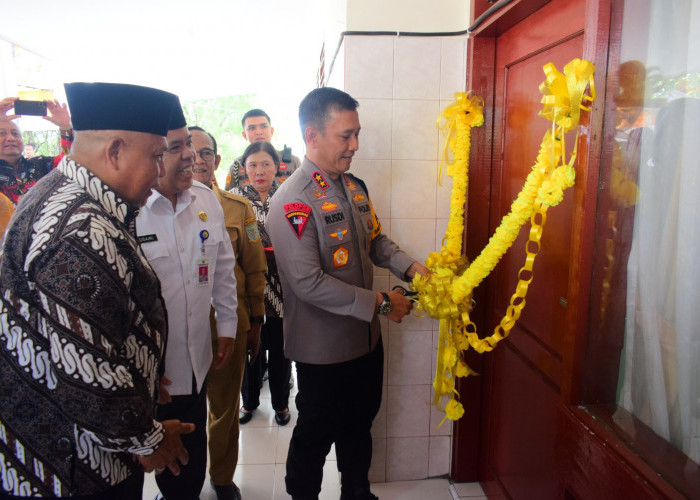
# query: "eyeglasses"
{"points": [[206, 154]]}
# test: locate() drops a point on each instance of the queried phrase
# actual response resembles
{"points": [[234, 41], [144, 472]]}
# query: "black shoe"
{"points": [[226, 492], [245, 416], [282, 418], [368, 495]]}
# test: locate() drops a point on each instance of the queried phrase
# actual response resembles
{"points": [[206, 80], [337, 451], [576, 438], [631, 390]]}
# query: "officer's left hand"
{"points": [[419, 268], [224, 352]]}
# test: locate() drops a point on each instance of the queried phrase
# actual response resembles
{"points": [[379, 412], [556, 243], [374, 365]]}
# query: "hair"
{"points": [[31, 144], [318, 104], [254, 112], [213, 141], [257, 147]]}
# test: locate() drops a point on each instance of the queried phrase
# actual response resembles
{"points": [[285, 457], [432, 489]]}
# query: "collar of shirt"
{"points": [[159, 202]]}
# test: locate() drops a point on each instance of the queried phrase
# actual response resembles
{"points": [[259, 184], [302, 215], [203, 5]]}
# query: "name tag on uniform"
{"points": [[148, 238], [203, 272]]}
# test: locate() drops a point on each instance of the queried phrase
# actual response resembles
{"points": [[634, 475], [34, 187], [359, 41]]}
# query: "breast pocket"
{"points": [[339, 245], [155, 250]]}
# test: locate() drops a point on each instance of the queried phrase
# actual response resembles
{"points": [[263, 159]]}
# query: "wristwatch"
{"points": [[257, 319], [385, 306]]}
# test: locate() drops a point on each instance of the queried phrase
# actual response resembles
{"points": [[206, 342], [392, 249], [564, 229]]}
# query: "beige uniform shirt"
{"points": [[326, 238]]}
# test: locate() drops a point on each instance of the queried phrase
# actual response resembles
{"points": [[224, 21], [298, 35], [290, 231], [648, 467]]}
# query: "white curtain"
{"points": [[660, 374]]}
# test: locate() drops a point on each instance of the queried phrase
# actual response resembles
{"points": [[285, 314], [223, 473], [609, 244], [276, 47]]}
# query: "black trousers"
{"points": [[190, 409], [337, 404], [279, 369]]}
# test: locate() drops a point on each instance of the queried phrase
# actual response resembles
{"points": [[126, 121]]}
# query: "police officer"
{"points": [[327, 237], [257, 127]]}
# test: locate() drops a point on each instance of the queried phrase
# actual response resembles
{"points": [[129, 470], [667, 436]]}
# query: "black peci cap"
{"points": [[177, 118], [120, 106]]}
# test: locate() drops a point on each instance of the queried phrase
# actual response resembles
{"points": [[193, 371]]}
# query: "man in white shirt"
{"points": [[182, 232]]}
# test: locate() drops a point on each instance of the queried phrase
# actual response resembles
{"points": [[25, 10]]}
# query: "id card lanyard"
{"points": [[203, 261]]}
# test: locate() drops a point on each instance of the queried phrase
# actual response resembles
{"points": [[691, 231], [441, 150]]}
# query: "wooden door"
{"points": [[524, 376]]}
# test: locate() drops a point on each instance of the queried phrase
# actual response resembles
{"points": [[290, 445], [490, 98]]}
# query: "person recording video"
{"points": [[17, 172]]}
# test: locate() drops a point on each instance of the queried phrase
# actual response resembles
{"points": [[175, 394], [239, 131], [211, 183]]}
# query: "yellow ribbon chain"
{"points": [[446, 294]]}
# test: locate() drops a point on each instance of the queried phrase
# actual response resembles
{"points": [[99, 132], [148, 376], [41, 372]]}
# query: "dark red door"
{"points": [[522, 378]]}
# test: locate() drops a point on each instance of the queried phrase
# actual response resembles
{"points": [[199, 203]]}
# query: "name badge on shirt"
{"points": [[203, 272], [203, 261]]}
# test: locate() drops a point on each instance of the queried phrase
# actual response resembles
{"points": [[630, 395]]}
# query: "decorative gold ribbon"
{"points": [[446, 294]]}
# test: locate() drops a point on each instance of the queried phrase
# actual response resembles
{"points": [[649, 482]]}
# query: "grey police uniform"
{"points": [[237, 176], [326, 237]]}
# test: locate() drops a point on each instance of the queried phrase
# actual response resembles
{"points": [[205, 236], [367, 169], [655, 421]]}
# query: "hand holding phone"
{"points": [[33, 108]]}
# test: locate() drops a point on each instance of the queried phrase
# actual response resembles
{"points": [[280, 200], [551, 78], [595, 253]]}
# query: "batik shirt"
{"points": [[273, 286], [16, 181], [82, 333]]}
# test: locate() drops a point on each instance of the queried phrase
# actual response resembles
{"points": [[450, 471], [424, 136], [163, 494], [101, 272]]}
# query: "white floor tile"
{"points": [[433, 489], [261, 467]]}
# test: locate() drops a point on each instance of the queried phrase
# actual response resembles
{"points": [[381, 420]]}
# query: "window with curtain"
{"points": [[643, 357]]}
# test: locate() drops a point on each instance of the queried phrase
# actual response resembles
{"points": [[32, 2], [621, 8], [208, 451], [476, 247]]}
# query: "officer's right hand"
{"points": [[171, 452], [400, 306]]}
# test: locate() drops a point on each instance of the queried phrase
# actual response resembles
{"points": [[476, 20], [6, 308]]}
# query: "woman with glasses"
{"points": [[261, 163]]}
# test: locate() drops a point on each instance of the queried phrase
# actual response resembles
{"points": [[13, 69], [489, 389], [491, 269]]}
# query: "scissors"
{"points": [[409, 294]]}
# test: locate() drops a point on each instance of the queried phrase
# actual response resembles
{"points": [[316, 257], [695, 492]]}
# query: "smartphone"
{"points": [[33, 108]]}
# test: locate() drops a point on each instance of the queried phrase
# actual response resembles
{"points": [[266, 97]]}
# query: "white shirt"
{"points": [[172, 242]]}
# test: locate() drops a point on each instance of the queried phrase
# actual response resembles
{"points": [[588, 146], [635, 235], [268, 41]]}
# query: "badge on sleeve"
{"points": [[298, 215], [251, 229], [340, 257], [320, 180]]}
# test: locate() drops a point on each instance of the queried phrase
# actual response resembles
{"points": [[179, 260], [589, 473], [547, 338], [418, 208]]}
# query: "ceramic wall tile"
{"points": [[376, 174], [414, 135], [444, 192], [375, 135], [410, 356], [407, 458], [453, 57], [439, 456], [417, 67], [369, 66], [414, 236], [408, 412], [413, 189]]}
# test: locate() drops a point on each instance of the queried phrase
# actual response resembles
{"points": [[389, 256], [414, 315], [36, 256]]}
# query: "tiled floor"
{"points": [[261, 467]]}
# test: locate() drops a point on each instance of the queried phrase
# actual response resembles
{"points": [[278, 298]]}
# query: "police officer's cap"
{"points": [[120, 106]]}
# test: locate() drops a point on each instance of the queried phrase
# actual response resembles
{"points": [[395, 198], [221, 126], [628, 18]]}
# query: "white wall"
{"points": [[408, 15], [402, 83]]}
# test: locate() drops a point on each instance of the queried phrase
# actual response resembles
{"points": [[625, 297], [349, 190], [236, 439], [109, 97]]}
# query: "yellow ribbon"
{"points": [[446, 294]]}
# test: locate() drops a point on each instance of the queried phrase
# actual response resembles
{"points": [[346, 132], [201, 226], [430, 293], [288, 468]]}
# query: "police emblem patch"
{"points": [[358, 197], [340, 257], [328, 206], [297, 215]]}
